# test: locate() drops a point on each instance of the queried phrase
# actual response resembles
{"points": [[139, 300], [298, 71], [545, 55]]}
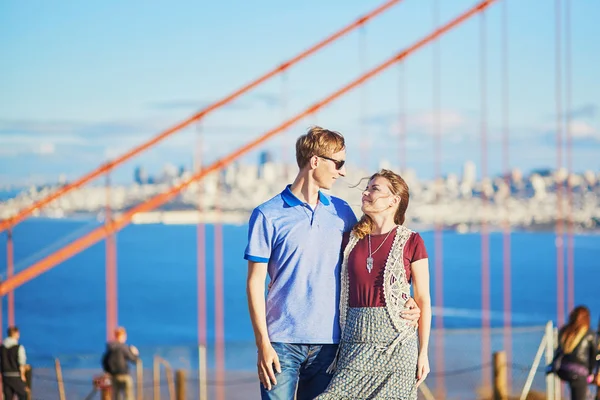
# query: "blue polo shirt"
{"points": [[302, 248]]}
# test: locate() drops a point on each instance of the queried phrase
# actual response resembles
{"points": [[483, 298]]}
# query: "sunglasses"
{"points": [[338, 163]]}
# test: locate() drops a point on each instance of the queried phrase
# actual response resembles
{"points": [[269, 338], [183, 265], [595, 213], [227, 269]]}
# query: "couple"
{"points": [[333, 281]]}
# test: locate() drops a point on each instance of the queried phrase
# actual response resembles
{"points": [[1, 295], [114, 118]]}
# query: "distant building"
{"points": [[265, 166], [62, 179], [169, 172], [265, 157], [140, 176], [469, 176]]}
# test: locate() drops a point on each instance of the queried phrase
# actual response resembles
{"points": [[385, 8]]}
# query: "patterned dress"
{"points": [[378, 352]]}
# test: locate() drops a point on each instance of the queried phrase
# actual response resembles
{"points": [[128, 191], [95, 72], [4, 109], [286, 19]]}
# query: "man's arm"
{"points": [[267, 357], [411, 312], [132, 353], [22, 361]]}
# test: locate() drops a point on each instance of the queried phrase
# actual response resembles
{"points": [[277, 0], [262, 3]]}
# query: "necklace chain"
{"points": [[370, 258], [370, 254]]}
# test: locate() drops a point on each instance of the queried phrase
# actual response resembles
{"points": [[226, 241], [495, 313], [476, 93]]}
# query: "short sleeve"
{"points": [[350, 221], [22, 356], [345, 240], [260, 238], [419, 250]]}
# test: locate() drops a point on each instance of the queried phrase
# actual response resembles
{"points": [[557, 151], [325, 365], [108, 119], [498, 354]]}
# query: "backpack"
{"points": [[110, 362]]}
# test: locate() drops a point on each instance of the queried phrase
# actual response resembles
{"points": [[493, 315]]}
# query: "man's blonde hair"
{"points": [[318, 142]]}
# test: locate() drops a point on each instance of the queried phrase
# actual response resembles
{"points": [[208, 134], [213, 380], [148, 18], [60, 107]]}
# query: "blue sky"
{"points": [[81, 82]]}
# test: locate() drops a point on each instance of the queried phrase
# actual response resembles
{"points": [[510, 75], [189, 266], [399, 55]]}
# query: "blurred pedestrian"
{"points": [[115, 362], [12, 364]]}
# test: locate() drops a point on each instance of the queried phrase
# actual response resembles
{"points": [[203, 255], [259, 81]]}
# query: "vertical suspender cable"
{"points": [[219, 297], [362, 62], [200, 245], [402, 115], [506, 236], [111, 266], [485, 238], [285, 148], [201, 269], [10, 265], [568, 98], [438, 238], [560, 252]]}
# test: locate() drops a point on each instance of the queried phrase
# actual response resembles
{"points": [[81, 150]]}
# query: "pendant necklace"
{"points": [[370, 258]]}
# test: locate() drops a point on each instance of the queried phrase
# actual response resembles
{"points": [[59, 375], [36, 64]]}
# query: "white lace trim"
{"points": [[396, 289]]}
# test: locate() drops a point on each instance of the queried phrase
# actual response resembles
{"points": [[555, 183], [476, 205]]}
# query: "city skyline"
{"points": [[525, 201], [168, 171]]}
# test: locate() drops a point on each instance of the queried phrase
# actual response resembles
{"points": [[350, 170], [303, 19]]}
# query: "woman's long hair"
{"points": [[398, 187], [576, 328]]}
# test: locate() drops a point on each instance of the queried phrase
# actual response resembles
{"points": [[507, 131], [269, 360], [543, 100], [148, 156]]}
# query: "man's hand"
{"points": [[268, 364], [134, 350], [411, 312]]}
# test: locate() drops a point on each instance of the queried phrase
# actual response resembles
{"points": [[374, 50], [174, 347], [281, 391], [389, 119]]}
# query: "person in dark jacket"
{"points": [[12, 364], [597, 379], [115, 362], [577, 351]]}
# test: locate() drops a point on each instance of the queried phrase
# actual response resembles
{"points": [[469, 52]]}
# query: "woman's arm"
{"points": [[420, 277], [593, 354]]}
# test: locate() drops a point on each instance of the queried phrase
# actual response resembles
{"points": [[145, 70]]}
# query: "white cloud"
{"points": [[583, 130], [450, 123], [447, 120], [580, 130], [45, 149]]}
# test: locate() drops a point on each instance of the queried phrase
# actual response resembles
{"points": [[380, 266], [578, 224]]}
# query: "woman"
{"points": [[379, 354], [575, 357]]}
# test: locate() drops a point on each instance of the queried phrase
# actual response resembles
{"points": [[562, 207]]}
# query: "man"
{"points": [[296, 238], [12, 364], [115, 362]]}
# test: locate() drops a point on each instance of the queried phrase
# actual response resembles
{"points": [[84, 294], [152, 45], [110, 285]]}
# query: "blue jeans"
{"points": [[303, 371]]}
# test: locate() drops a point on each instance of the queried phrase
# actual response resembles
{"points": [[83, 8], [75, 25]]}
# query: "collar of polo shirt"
{"points": [[292, 201]]}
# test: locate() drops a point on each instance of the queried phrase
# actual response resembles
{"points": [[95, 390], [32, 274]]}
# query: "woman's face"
{"points": [[378, 199]]}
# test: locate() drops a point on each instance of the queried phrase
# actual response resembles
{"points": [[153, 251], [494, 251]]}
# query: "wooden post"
{"points": [[139, 369], [180, 385], [105, 394], [59, 379], [500, 376], [202, 374], [156, 378]]}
